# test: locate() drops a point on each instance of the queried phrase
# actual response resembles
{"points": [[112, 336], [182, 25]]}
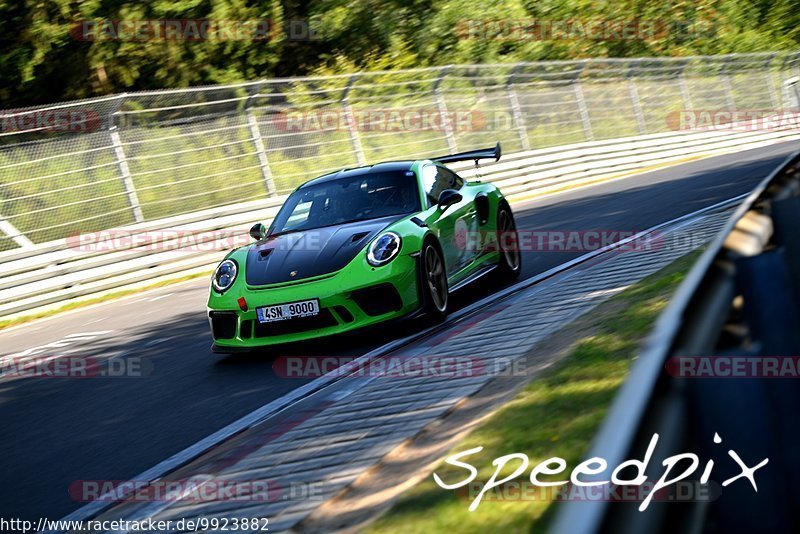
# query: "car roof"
{"points": [[359, 171]]}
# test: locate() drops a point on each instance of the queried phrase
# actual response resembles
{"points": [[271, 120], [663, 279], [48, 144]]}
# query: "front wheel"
{"points": [[433, 281], [510, 263]]}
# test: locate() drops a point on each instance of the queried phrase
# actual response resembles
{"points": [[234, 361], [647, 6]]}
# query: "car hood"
{"points": [[299, 255]]}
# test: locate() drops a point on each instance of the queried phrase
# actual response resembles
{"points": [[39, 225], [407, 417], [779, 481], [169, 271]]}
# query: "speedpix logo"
{"points": [[676, 468]]}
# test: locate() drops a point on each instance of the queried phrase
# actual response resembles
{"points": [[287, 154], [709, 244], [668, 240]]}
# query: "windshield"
{"points": [[368, 196]]}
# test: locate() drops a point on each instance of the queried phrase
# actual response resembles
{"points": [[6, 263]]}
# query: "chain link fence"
{"points": [[101, 163]]}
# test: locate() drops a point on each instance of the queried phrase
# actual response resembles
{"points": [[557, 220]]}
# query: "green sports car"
{"points": [[359, 247]]}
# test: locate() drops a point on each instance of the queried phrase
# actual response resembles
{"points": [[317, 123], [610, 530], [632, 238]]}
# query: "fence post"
{"points": [[795, 63], [516, 110], [726, 84], [685, 95], [355, 139], [588, 135], [258, 142], [122, 163], [774, 97], [127, 180], [11, 231], [788, 85], [442, 107], [796, 87], [791, 90], [633, 93]]}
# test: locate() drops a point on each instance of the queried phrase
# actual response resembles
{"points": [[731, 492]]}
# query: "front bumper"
{"points": [[357, 296]]}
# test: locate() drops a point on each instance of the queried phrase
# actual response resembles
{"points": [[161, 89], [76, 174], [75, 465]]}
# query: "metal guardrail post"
{"points": [[792, 86], [442, 108], [795, 63], [583, 111], [258, 142], [355, 139], [636, 102], [516, 110], [122, 163], [789, 66]]}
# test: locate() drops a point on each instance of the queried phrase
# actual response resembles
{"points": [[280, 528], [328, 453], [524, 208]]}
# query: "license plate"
{"points": [[291, 310]]}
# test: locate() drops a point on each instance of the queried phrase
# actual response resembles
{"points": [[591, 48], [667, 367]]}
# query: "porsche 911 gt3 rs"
{"points": [[360, 247]]}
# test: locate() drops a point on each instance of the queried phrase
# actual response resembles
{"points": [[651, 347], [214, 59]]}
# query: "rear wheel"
{"points": [[510, 262], [433, 281]]}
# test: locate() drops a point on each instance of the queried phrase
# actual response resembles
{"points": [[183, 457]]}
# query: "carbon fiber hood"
{"points": [[299, 255]]}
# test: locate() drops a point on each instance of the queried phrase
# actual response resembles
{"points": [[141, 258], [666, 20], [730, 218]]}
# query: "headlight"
{"points": [[384, 249], [224, 276]]}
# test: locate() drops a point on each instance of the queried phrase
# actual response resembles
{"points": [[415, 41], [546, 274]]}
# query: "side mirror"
{"points": [[258, 231], [448, 197]]}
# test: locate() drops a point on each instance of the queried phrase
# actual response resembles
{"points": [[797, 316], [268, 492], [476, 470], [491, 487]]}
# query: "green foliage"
{"points": [[41, 61], [47, 61]]}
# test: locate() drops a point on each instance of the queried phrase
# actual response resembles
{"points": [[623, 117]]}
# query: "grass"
{"points": [[556, 415]]}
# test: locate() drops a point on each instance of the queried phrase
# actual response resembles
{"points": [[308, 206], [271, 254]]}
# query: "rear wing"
{"points": [[485, 153]]}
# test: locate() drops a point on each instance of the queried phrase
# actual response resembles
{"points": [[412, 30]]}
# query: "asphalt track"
{"points": [[57, 431]]}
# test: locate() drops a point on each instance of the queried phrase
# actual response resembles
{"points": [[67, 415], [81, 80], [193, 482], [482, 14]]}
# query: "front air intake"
{"points": [[378, 300], [223, 324]]}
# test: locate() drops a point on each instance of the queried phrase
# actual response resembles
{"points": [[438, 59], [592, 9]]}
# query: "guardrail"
{"points": [[88, 264], [740, 303]]}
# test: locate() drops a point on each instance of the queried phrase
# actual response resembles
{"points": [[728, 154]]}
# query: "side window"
{"points": [[429, 183], [436, 179], [455, 181]]}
